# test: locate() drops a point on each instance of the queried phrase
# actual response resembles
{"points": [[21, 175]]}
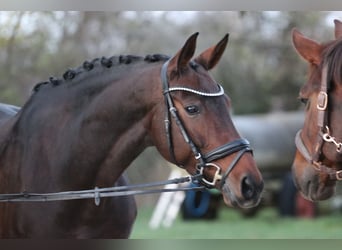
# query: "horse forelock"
{"points": [[333, 58], [89, 68]]}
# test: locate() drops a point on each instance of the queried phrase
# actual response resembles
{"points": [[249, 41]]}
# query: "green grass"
{"points": [[232, 225]]}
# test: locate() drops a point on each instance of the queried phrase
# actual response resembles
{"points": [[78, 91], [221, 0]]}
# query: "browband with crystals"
{"points": [[219, 93]]}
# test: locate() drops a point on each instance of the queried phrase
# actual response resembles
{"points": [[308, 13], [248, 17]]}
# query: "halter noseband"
{"points": [[203, 161], [323, 134]]}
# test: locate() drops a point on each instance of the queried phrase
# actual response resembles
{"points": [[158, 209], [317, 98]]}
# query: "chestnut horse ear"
{"points": [[210, 57], [309, 49], [181, 59], [338, 29]]}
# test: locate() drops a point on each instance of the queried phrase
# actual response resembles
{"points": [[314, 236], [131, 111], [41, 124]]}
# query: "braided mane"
{"points": [[98, 63]]}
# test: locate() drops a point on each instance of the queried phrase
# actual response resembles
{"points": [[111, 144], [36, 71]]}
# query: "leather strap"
{"points": [[333, 174], [173, 111], [322, 118], [232, 164], [227, 149]]}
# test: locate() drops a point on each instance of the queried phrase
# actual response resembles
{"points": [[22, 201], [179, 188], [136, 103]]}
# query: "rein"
{"points": [[98, 193], [323, 134]]}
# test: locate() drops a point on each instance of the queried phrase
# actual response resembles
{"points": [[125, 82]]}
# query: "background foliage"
{"points": [[260, 70]]}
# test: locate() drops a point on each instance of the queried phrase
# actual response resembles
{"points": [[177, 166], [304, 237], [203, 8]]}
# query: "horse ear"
{"points": [[309, 49], [338, 28], [210, 57], [181, 59]]}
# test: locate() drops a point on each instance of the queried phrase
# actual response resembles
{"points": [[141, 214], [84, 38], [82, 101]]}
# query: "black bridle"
{"points": [[323, 135], [203, 161]]}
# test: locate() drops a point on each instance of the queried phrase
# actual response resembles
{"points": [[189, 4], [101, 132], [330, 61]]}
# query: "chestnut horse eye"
{"points": [[192, 109], [304, 100]]}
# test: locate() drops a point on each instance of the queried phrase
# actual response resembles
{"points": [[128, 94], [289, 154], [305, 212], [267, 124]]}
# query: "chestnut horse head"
{"points": [[318, 160], [84, 130], [202, 138]]}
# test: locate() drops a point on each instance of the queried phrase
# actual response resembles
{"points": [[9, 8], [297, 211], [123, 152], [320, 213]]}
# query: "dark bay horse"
{"points": [[318, 160], [83, 130]]}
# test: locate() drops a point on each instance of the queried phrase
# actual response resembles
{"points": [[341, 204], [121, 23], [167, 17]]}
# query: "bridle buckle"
{"points": [[217, 175], [322, 101], [339, 175], [198, 156]]}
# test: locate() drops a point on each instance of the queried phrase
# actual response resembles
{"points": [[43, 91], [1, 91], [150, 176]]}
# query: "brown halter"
{"points": [[323, 134]]}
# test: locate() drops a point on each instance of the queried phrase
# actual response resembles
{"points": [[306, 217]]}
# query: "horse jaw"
{"points": [[311, 184]]}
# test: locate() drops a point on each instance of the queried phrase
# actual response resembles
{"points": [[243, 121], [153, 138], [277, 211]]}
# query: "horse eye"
{"points": [[192, 109], [304, 100]]}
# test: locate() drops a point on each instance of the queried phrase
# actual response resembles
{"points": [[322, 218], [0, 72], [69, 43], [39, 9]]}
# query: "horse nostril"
{"points": [[248, 188]]}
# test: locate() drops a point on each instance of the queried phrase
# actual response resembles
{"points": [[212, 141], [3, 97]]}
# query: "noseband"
{"points": [[323, 135], [203, 161]]}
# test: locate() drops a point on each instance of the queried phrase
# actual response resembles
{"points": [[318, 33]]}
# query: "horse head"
{"points": [[200, 135], [318, 161]]}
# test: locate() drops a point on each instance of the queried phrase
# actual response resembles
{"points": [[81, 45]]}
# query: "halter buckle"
{"points": [[339, 175], [322, 101], [198, 156]]}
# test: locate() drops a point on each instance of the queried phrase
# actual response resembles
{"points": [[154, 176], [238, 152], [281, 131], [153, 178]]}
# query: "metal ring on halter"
{"points": [[329, 138], [339, 175], [317, 165], [322, 101], [217, 175]]}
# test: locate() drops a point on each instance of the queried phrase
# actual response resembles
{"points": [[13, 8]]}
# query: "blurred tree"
{"points": [[260, 70]]}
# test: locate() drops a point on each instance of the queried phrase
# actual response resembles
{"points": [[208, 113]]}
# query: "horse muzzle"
{"points": [[243, 190], [314, 185]]}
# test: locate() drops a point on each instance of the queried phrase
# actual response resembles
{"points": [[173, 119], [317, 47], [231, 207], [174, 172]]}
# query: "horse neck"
{"points": [[91, 139], [125, 120]]}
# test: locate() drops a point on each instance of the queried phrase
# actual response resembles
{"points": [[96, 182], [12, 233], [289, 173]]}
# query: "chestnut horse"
{"points": [[318, 160], [84, 130]]}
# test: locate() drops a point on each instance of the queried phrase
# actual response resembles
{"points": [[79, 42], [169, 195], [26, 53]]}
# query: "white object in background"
{"points": [[174, 206], [168, 204]]}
